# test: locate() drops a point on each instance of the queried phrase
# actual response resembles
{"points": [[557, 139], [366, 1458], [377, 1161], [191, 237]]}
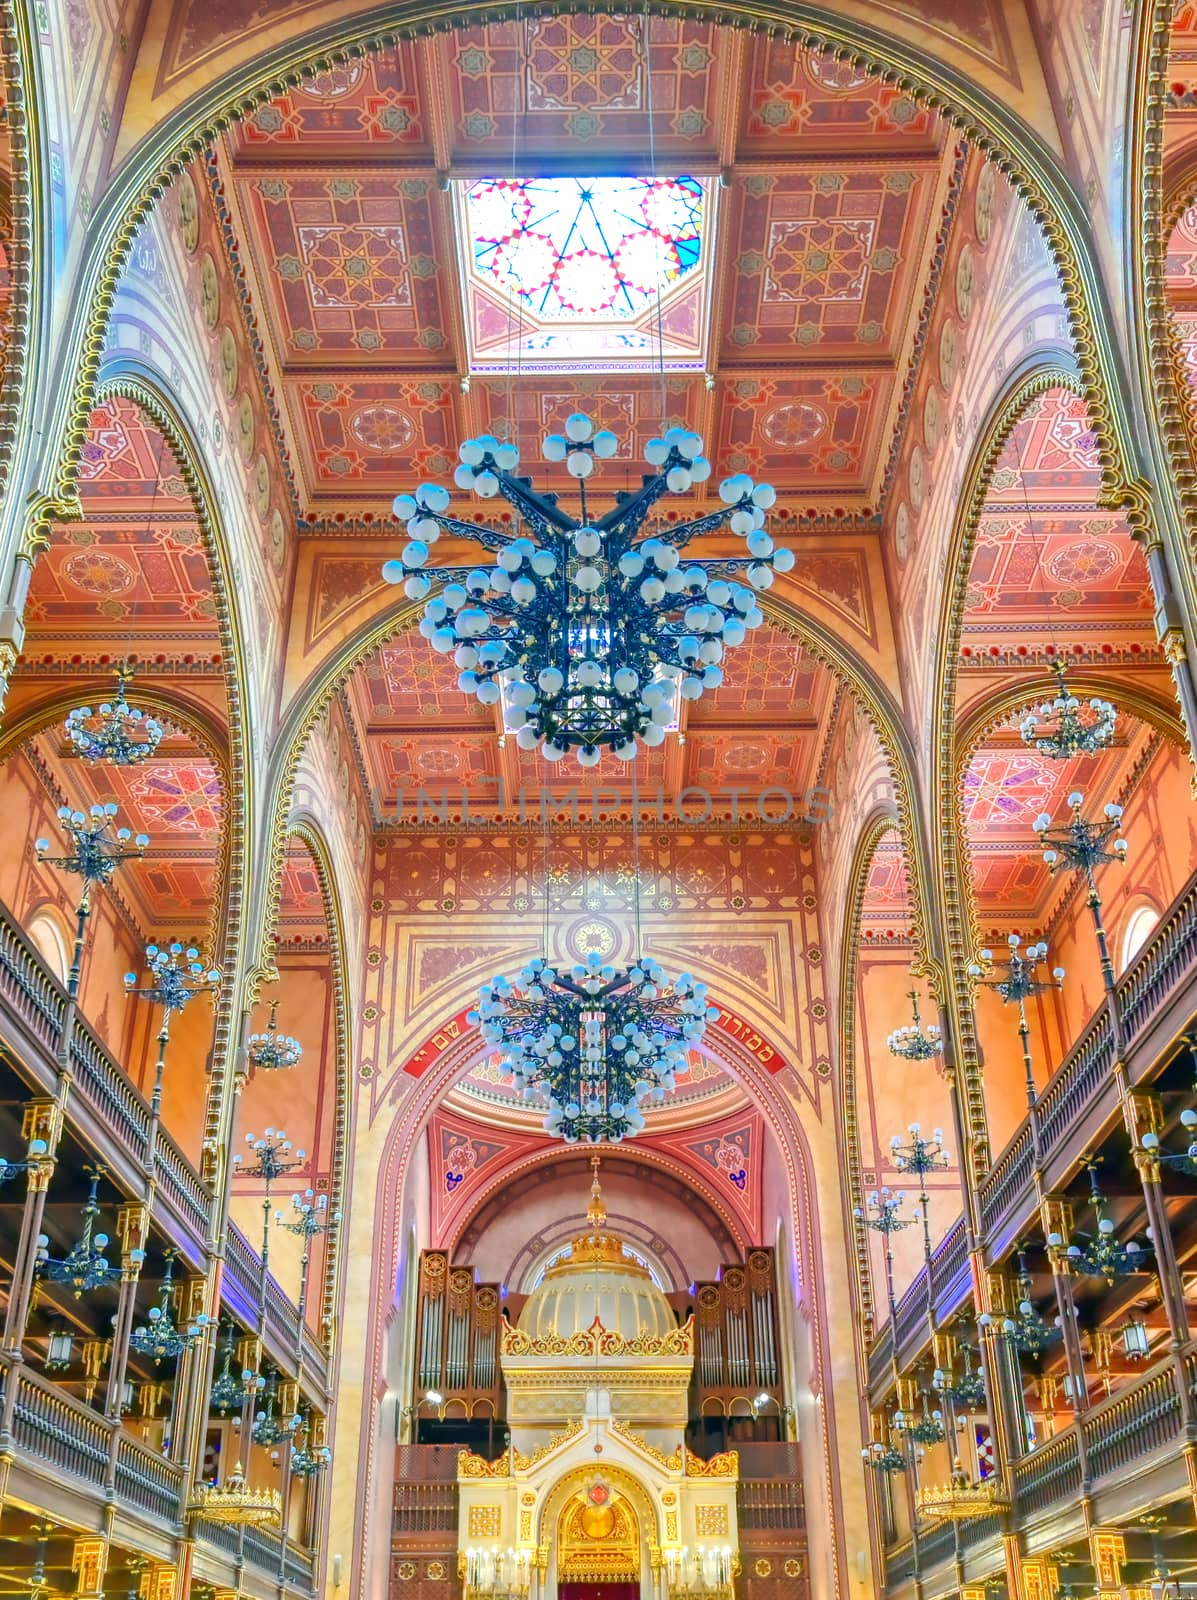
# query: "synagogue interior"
{"points": [[598, 776]]}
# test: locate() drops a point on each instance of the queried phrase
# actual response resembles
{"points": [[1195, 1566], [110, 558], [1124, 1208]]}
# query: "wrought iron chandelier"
{"points": [[273, 1051], [161, 1339], [1026, 1330], [269, 1428], [598, 1043], [588, 628], [1104, 1255], [228, 1391], [85, 1265], [916, 1041], [1079, 844], [1067, 726], [966, 1388], [115, 732], [311, 1457]]}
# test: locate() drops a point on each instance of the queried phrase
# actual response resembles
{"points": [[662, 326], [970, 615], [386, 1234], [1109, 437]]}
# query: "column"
{"points": [[132, 1226], [189, 1404], [1144, 1114], [1001, 1364], [42, 1121], [1057, 1225]]}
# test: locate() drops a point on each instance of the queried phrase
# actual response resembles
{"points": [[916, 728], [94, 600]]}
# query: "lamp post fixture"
{"points": [[1081, 845], [310, 1458], [96, 848], [271, 1050], [85, 1266], [117, 733], [1067, 726], [1103, 1256], [176, 976], [584, 628], [161, 1339], [916, 1040], [1018, 980], [272, 1161], [310, 1218], [920, 1157], [881, 1213]]}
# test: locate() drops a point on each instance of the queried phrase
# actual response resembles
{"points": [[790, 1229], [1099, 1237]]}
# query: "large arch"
{"points": [[394, 1153], [979, 114]]}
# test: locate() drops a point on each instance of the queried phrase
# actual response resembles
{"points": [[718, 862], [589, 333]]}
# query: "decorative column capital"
{"points": [[1057, 1217], [89, 1563], [133, 1229]]}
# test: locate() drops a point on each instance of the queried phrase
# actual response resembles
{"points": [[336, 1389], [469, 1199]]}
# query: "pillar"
{"points": [[42, 1120], [132, 1226], [1144, 1114], [1058, 1224], [89, 1563]]}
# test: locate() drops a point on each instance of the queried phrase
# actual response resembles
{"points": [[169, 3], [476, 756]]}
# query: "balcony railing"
{"points": [[54, 1428], [1073, 1100], [146, 1480], [106, 1108]]}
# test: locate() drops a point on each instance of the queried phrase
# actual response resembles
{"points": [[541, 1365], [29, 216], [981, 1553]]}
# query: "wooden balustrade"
{"points": [[1133, 1424], [1049, 1474], [30, 992], [146, 1479], [53, 1427], [1070, 1101]]}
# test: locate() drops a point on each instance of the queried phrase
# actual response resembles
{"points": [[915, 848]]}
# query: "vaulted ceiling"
{"points": [[827, 189]]}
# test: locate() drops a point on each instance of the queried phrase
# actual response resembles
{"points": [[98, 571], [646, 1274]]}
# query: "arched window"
{"points": [[47, 936], [536, 1276], [1139, 927]]}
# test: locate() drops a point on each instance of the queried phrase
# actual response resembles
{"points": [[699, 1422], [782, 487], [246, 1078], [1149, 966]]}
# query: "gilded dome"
{"points": [[597, 1279]]}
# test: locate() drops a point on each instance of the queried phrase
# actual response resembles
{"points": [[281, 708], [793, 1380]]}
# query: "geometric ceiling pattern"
{"points": [[130, 579], [764, 728], [832, 188]]}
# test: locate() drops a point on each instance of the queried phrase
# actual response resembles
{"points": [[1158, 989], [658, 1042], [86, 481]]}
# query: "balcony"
{"points": [[110, 1117], [1122, 1456], [1081, 1101]]}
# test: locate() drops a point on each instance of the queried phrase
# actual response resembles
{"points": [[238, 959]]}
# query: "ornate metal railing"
{"points": [[1049, 1474], [57, 1429], [1076, 1088], [146, 1480]]}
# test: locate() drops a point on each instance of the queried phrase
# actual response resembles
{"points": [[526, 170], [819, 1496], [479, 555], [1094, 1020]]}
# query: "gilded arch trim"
{"points": [[875, 828], [956, 912], [306, 830]]}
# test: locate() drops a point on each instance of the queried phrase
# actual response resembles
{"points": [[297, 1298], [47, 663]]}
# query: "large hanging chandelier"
{"points": [[115, 732], [596, 1043], [1067, 726], [588, 628]]}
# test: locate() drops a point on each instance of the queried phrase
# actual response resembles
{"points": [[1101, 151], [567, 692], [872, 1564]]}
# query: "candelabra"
{"points": [[121, 734], [884, 1456], [494, 1571], [1081, 846], [1019, 983], [881, 1214], [311, 1457], [269, 1428], [176, 976], [916, 1041], [96, 848], [585, 629], [272, 1161], [1103, 1256], [1026, 1330], [310, 1218], [161, 1339], [920, 1157], [966, 1389], [228, 1391], [1067, 726], [708, 1569], [1183, 1160], [85, 1265], [272, 1050]]}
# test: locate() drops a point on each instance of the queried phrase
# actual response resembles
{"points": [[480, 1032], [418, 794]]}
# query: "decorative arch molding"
{"points": [[555, 1501], [978, 114], [314, 696], [780, 1114], [1167, 396], [145, 389], [27, 206], [523, 1177], [882, 821], [192, 716], [955, 911], [1007, 704], [308, 831]]}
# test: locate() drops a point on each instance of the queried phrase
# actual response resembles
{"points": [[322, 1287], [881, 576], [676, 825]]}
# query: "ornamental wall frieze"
{"points": [[599, 1341]]}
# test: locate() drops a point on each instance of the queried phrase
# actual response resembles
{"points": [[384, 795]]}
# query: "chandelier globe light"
{"points": [[587, 630], [1067, 726], [916, 1040], [597, 1043], [114, 732]]}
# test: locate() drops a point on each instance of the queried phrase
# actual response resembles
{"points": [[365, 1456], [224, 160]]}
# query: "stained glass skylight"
{"points": [[565, 273]]}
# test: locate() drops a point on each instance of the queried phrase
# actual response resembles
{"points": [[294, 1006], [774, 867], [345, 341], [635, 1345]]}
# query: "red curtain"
{"points": [[604, 1589]]}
